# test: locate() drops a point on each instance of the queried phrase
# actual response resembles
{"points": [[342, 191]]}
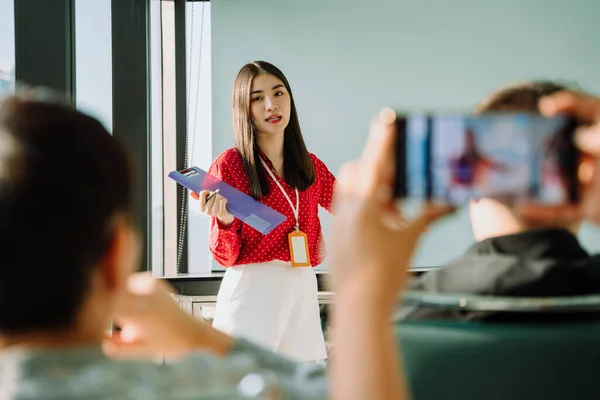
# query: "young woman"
{"points": [[269, 291], [472, 166]]}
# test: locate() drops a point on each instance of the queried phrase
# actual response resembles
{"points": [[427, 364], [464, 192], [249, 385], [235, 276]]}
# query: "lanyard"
{"points": [[296, 209]]}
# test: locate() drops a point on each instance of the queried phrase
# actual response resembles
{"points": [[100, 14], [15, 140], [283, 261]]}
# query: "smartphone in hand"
{"points": [[454, 158]]}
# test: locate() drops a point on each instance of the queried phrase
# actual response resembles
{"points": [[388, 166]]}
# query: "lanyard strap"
{"points": [[296, 209]]}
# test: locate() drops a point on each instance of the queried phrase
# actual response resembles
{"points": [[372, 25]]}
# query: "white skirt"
{"points": [[274, 305]]}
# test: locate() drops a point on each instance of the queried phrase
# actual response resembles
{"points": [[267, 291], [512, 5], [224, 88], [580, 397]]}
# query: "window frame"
{"points": [[131, 102], [131, 97], [56, 46], [174, 77]]}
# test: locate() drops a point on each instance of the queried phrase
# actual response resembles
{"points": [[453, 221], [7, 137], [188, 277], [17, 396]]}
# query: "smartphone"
{"points": [[510, 157]]}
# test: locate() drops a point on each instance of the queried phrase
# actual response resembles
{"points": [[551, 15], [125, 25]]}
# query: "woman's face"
{"points": [[270, 105]]}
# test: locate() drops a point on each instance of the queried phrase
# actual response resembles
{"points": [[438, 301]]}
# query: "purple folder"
{"points": [[242, 206]]}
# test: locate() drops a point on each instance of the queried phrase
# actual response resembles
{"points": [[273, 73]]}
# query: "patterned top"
{"points": [[241, 244], [86, 373]]}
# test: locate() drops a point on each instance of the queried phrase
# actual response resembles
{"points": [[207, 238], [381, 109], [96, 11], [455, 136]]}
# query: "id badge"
{"points": [[299, 254]]}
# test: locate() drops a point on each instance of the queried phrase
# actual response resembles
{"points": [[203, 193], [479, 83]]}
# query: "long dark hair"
{"points": [[299, 170]]}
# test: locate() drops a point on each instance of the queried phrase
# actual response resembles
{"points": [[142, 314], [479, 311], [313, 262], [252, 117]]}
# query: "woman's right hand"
{"points": [[215, 207]]}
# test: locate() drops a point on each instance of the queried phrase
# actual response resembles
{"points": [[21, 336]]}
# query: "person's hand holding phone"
{"points": [[586, 109], [214, 205], [371, 244], [371, 248]]}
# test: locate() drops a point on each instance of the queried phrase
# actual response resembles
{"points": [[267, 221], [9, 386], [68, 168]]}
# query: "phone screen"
{"points": [[512, 157]]}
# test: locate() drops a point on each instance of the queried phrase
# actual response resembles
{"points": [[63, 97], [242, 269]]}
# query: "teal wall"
{"points": [[346, 59]]}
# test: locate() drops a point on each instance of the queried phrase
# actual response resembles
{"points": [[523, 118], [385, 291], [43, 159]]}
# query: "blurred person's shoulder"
{"points": [[87, 373]]}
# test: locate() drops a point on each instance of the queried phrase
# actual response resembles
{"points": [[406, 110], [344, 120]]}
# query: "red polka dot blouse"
{"points": [[241, 244]]}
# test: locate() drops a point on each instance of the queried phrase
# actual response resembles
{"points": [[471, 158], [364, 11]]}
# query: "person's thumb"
{"points": [[430, 214], [116, 348]]}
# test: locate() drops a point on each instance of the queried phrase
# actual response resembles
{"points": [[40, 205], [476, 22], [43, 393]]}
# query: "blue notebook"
{"points": [[242, 206]]}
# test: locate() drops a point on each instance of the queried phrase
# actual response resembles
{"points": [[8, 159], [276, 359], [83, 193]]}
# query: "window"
{"points": [[177, 124], [156, 156], [7, 46], [198, 62], [93, 54]]}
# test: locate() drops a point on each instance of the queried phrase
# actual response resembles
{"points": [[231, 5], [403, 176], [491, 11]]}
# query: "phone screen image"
{"points": [[512, 157]]}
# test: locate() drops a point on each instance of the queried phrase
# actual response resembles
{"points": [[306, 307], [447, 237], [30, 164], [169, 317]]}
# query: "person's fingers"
{"points": [[564, 214], [116, 348], [223, 207], [591, 194], [119, 339], [393, 220], [216, 206], [143, 283], [346, 178], [195, 195], [211, 209], [130, 305], [143, 293], [377, 160], [584, 107], [588, 139], [401, 221], [214, 209], [203, 195], [592, 212], [549, 215], [430, 213]]}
